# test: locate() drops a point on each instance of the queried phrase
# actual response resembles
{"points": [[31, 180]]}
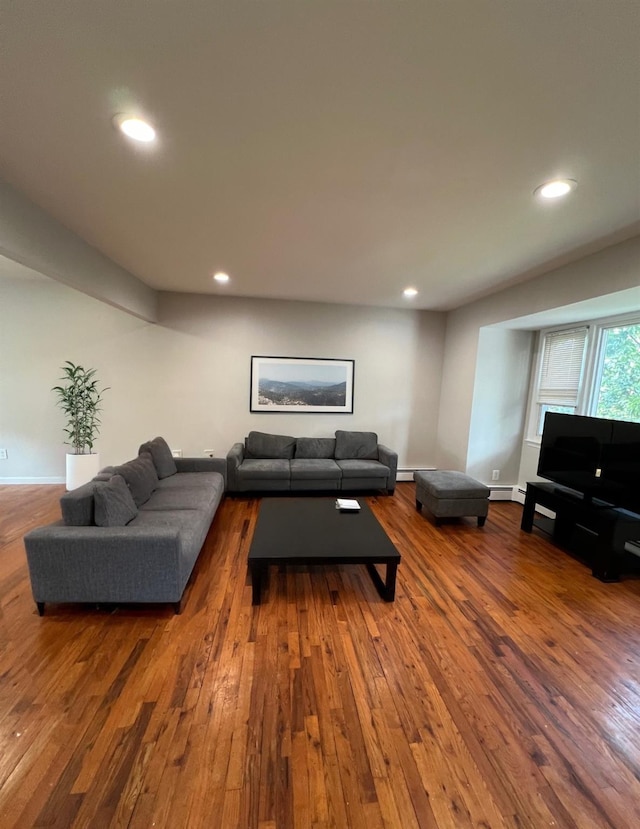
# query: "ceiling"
{"points": [[328, 151]]}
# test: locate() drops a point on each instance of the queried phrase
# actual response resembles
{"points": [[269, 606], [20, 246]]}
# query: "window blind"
{"points": [[561, 371]]}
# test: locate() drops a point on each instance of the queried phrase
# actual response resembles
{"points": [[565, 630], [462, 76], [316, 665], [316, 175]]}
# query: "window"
{"points": [[617, 387], [558, 385], [591, 369]]}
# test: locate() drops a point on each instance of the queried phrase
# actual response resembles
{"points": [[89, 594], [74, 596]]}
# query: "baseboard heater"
{"points": [[500, 493], [405, 473]]}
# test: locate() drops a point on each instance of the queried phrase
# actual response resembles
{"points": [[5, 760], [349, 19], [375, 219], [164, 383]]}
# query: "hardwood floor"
{"points": [[500, 689]]}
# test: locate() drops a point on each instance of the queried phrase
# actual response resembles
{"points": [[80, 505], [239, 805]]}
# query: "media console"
{"points": [[602, 528]]}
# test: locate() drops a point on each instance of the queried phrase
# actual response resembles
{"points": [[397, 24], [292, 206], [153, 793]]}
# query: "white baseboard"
{"points": [[8, 481], [406, 472]]}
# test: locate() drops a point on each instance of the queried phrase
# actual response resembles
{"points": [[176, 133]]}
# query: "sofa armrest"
{"points": [[235, 456], [203, 465], [103, 564], [389, 458]]}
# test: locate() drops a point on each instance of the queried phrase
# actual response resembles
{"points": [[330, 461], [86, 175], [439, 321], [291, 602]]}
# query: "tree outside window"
{"points": [[592, 368], [618, 393]]}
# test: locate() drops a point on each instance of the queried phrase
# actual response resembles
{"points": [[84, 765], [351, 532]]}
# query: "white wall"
{"points": [[30, 236], [398, 363], [45, 323], [528, 465], [421, 387], [613, 271], [497, 414], [187, 377]]}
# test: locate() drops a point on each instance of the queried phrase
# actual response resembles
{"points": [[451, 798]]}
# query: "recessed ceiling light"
{"points": [[556, 189], [135, 128], [410, 292], [221, 277]]}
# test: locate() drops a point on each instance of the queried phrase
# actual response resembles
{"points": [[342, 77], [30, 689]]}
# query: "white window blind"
{"points": [[561, 370]]}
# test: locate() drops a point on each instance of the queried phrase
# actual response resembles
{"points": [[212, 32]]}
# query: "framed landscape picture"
{"points": [[301, 384]]}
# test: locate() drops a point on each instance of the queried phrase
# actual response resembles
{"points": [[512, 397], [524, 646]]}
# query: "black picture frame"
{"points": [[301, 385]]}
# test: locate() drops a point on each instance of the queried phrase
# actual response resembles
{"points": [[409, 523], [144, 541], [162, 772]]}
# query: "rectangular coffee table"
{"points": [[312, 531]]}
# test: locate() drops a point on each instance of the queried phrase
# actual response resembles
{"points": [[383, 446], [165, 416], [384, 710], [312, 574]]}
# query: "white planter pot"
{"points": [[81, 469]]}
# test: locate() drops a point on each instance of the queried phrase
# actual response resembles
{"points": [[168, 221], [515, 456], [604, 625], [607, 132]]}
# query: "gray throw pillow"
{"points": [[163, 460], [263, 445], [360, 445], [140, 476], [105, 474], [315, 448], [114, 504]]}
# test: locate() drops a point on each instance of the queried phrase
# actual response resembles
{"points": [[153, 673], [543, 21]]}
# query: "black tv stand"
{"points": [[609, 527]]}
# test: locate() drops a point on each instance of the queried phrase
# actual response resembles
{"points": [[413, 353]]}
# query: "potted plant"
{"points": [[80, 398]]}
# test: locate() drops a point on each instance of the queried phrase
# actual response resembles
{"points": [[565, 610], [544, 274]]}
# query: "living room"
{"points": [[500, 688], [449, 389]]}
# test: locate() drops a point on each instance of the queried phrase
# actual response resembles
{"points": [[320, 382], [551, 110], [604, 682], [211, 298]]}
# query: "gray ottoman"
{"points": [[448, 494]]}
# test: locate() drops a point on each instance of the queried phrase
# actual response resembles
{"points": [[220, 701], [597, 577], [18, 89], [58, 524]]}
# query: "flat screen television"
{"points": [[596, 457]]}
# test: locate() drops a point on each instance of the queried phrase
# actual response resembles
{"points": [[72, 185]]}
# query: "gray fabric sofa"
{"points": [[132, 534], [281, 463]]}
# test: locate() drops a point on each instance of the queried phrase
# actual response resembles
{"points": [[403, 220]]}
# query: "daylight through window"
{"points": [[590, 369]]}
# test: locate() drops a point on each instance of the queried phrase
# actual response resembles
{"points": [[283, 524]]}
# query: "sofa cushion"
{"points": [[114, 504], [315, 469], [260, 445], [264, 470], [141, 477], [356, 445], [197, 497], [163, 460], [188, 480], [315, 447], [363, 469]]}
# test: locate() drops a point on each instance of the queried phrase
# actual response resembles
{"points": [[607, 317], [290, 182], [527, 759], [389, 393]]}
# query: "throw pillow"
{"points": [[114, 504], [105, 474], [140, 476], [360, 445], [315, 448], [263, 445], [163, 460]]}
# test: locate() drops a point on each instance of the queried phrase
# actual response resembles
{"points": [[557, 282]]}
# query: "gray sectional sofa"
{"points": [[281, 463], [132, 534]]}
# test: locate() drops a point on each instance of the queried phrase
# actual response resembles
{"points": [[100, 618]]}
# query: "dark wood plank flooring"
{"points": [[500, 689]]}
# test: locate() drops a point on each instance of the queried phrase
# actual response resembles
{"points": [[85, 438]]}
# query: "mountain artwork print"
{"points": [[293, 384]]}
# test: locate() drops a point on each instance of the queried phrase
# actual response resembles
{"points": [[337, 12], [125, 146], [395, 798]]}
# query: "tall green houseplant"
{"points": [[80, 400]]}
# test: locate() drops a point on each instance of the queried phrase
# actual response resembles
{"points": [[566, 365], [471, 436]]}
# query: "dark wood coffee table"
{"points": [[312, 531]]}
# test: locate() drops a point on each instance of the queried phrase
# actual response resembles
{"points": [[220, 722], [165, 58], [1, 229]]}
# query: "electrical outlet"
{"points": [[177, 453], [209, 453], [4, 455], [495, 475]]}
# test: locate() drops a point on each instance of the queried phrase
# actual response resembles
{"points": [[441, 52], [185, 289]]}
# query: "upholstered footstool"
{"points": [[448, 494]]}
